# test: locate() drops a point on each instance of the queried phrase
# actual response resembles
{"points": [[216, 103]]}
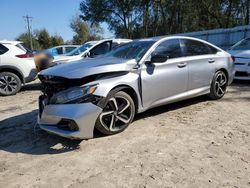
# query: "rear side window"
{"points": [[212, 49], [193, 48], [3, 49], [169, 48]]}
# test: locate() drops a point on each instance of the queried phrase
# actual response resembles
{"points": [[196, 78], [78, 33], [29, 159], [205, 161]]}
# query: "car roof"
{"points": [[67, 45], [10, 42], [118, 40], [167, 37], [159, 38]]}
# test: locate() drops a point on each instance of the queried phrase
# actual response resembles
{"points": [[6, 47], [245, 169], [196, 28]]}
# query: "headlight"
{"points": [[73, 94]]}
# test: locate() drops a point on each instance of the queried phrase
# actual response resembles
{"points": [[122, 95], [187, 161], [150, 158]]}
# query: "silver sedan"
{"points": [[106, 92]]}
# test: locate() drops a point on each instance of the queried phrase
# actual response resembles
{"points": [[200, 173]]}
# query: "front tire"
{"points": [[218, 86], [117, 114], [10, 83]]}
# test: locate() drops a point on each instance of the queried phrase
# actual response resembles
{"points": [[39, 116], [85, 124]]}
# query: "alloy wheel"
{"points": [[8, 84], [220, 84], [117, 114]]}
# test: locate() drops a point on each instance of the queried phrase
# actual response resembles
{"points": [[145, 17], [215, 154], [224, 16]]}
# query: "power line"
{"points": [[28, 19]]}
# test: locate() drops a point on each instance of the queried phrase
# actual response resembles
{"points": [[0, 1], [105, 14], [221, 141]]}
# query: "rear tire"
{"points": [[10, 83], [218, 86], [117, 114]]}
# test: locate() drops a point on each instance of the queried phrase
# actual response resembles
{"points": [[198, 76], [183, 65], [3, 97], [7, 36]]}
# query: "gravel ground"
{"points": [[193, 143]]}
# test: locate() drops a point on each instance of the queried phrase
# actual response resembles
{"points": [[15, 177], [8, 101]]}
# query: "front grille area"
{"points": [[239, 63], [241, 74], [53, 84], [68, 125]]}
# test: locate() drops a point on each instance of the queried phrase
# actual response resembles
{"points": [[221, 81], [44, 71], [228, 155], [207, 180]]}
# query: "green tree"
{"points": [[83, 31], [120, 15], [24, 37], [43, 38], [56, 40], [80, 29], [145, 18]]}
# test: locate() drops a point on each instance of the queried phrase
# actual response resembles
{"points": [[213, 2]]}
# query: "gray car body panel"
{"points": [[154, 84], [90, 66], [84, 115]]}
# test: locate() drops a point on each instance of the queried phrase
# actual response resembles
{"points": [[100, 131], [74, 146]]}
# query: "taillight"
{"points": [[233, 58], [25, 55]]}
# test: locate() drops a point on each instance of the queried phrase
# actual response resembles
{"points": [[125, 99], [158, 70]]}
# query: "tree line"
{"points": [[147, 18], [41, 39]]}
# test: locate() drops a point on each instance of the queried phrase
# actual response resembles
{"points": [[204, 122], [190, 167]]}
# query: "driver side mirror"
{"points": [[159, 58]]}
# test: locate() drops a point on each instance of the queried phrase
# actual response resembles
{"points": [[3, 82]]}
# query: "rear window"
{"points": [[20, 46], [3, 49], [242, 45]]}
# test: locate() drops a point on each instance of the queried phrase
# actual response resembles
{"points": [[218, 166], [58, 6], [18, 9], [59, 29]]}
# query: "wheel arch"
{"points": [[13, 70], [225, 71], [130, 91]]}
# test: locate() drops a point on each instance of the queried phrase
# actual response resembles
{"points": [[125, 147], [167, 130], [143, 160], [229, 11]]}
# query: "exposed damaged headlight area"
{"points": [[75, 95], [59, 90]]}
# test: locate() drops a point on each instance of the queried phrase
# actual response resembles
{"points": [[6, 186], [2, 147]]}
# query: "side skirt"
{"points": [[179, 97]]}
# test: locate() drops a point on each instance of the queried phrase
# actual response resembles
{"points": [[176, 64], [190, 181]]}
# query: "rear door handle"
{"points": [[181, 65], [211, 61]]}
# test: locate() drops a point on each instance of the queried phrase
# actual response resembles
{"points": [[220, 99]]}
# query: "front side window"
{"points": [[170, 49], [194, 47], [115, 45], [3, 49], [101, 49], [59, 50]]}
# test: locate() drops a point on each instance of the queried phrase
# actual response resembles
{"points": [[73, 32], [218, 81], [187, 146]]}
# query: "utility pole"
{"points": [[28, 19]]}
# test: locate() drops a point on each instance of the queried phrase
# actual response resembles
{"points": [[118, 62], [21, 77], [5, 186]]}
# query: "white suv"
{"points": [[17, 67]]}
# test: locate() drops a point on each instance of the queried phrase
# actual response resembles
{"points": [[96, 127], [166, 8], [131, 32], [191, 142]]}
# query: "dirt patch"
{"points": [[193, 143]]}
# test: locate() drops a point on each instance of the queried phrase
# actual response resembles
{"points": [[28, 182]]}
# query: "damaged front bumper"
{"points": [[75, 121]]}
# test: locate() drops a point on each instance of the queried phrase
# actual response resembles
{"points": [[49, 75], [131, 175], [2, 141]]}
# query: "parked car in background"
{"points": [[106, 92], [91, 49], [61, 50], [241, 53], [17, 67]]}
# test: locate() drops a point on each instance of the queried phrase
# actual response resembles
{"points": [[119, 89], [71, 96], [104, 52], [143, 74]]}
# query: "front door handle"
{"points": [[211, 61], [181, 65]]}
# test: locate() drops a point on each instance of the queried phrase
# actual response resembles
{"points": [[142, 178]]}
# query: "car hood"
{"points": [[240, 53], [64, 58], [87, 67]]}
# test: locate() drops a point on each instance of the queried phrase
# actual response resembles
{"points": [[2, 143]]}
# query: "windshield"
{"points": [[242, 45], [132, 50], [81, 49]]}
